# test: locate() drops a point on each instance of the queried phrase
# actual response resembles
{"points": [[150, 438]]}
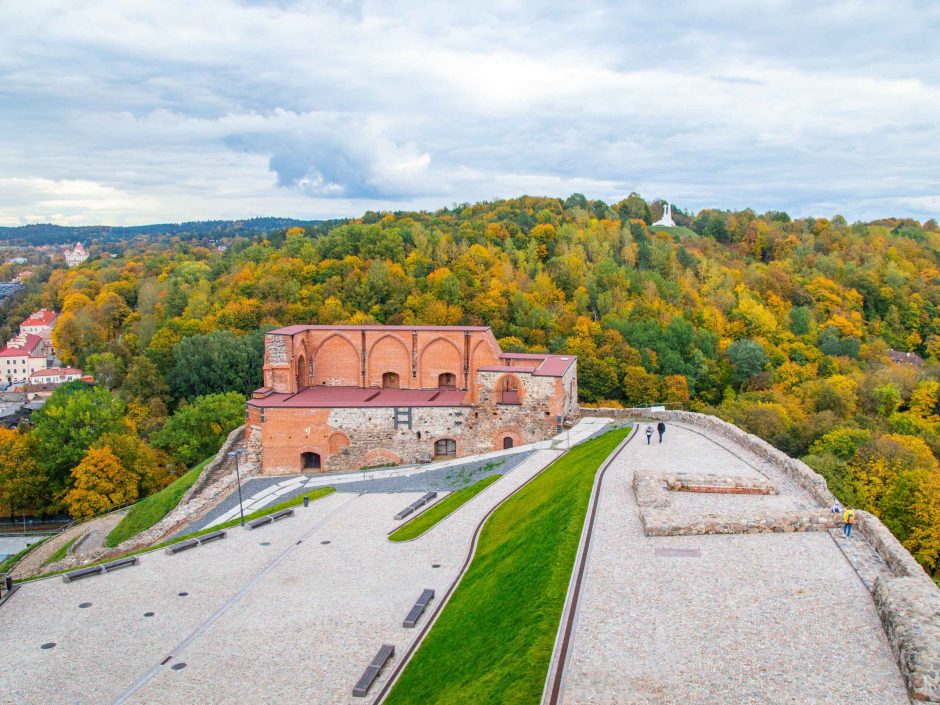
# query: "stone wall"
{"points": [[659, 519], [908, 603]]}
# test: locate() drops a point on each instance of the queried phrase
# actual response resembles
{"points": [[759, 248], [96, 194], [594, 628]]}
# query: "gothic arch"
{"points": [[338, 441], [439, 356], [336, 362], [509, 389], [388, 354], [301, 372]]}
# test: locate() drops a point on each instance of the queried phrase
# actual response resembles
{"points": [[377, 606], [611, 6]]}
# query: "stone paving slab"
{"points": [[772, 618]]}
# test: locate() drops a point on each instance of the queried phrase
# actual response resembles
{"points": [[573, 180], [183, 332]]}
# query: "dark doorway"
{"points": [[446, 447], [310, 461], [507, 443]]}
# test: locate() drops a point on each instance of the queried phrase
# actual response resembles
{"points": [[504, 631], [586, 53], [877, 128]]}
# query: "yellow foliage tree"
{"points": [[100, 483]]}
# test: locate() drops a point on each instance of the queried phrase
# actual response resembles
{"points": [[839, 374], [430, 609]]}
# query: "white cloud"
{"points": [[142, 112]]}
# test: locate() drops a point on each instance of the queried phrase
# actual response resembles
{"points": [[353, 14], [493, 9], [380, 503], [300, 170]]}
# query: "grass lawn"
{"points": [[61, 551], [152, 509], [493, 642], [296, 501], [447, 506]]}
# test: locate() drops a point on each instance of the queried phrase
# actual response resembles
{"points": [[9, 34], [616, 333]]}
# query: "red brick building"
{"points": [[347, 397]]}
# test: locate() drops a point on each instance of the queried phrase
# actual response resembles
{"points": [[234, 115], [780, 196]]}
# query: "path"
{"points": [[396, 479], [291, 613], [720, 619]]}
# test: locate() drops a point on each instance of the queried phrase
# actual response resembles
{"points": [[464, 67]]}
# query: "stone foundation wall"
{"points": [[908, 604], [659, 519]]}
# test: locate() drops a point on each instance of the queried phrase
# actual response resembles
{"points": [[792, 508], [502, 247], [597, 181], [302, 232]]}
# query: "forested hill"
{"points": [[47, 234], [781, 326]]}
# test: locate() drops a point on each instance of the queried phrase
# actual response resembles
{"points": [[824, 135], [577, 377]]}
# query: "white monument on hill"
{"points": [[667, 217]]}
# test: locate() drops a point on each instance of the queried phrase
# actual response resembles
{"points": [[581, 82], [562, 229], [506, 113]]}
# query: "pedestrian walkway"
{"points": [[763, 618], [291, 486]]}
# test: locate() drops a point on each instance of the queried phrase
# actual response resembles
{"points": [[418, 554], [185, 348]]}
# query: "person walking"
{"points": [[848, 518], [649, 433], [661, 427]]}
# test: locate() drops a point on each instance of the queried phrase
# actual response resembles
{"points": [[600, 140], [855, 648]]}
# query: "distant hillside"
{"points": [[47, 234]]}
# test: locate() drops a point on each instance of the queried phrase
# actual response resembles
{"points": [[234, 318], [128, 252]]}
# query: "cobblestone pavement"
{"points": [[289, 613], [696, 620], [863, 558]]}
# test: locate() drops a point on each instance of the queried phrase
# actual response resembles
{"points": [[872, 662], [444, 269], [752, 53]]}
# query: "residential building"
{"points": [[20, 357], [55, 375]]}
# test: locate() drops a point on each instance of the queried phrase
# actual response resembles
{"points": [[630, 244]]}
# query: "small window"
{"points": [[446, 447], [310, 461], [447, 380], [390, 380]]}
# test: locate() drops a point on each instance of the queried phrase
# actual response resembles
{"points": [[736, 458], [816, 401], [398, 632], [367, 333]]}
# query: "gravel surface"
{"points": [[767, 618]]}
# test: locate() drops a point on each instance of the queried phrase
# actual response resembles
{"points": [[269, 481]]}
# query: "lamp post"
{"points": [[237, 454]]}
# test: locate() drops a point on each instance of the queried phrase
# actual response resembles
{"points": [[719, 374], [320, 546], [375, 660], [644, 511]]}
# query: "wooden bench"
{"points": [[372, 671], [99, 569], [420, 502], [261, 521], [415, 614], [283, 514], [192, 543]]}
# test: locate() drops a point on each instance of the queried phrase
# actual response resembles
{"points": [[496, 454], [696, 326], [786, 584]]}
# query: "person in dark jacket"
{"points": [[661, 427]]}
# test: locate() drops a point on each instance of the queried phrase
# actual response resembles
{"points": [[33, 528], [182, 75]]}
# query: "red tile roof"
{"points": [[329, 397], [32, 342], [42, 317], [53, 371]]}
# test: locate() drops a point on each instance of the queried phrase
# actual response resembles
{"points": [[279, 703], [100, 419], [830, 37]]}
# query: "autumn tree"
{"points": [[99, 483]]}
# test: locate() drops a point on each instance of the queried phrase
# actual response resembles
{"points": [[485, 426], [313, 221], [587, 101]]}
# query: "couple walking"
{"points": [[661, 427]]}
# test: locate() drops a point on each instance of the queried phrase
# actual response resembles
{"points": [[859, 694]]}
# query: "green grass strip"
{"points": [[296, 501], [61, 551], [152, 509], [494, 640], [438, 512]]}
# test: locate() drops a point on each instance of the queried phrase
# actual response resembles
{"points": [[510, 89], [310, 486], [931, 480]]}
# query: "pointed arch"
{"points": [[388, 354], [440, 356], [336, 362]]}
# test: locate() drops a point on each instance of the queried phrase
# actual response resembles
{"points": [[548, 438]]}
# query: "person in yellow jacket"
{"points": [[848, 518]]}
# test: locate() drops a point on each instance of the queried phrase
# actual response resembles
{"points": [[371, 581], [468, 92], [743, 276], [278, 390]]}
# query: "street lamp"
{"points": [[237, 454]]}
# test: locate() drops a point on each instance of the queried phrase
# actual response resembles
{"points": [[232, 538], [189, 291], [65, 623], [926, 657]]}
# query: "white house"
{"points": [[55, 375], [20, 357], [39, 323]]}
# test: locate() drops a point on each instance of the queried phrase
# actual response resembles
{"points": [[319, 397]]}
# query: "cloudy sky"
{"points": [[141, 111]]}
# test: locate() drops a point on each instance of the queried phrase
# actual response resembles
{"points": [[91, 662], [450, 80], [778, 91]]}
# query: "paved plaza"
{"points": [[289, 613], [696, 620]]}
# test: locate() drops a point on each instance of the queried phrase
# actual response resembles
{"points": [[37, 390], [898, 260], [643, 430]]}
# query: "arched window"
{"points": [[447, 380], [508, 392], [310, 461], [446, 447], [507, 443], [390, 380]]}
